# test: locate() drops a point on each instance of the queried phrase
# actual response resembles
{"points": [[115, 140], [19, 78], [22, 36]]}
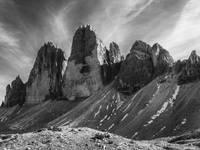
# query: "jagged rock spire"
{"points": [[15, 93], [83, 73], [45, 78], [189, 70], [194, 58], [143, 64], [114, 53]]}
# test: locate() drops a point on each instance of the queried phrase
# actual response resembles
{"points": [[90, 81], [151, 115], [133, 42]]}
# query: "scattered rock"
{"points": [[53, 128]]}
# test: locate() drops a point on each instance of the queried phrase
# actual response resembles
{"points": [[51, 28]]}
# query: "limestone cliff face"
{"points": [[114, 53], [162, 60], [15, 93], [45, 78], [188, 70], [83, 73], [142, 64], [110, 69], [137, 69]]}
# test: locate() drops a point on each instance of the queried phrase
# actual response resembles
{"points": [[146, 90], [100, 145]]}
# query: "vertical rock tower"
{"points": [[45, 78], [82, 76], [15, 93]]}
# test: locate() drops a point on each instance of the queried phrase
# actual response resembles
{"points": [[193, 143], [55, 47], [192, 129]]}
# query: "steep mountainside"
{"points": [[145, 96], [162, 108]]}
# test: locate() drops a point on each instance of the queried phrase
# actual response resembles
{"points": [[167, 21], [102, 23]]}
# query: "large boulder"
{"points": [[141, 65], [188, 70], [15, 93], [82, 76], [45, 79]]}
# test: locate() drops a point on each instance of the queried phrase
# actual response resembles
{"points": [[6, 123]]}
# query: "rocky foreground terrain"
{"points": [[89, 139]]}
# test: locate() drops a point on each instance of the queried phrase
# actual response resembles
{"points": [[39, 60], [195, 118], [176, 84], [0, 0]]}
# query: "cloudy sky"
{"points": [[26, 24]]}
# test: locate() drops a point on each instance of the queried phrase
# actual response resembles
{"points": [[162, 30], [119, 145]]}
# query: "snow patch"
{"points": [[184, 121], [111, 126], [119, 101], [127, 107], [97, 112], [124, 117], [103, 118], [131, 100], [107, 107], [135, 134], [164, 106]]}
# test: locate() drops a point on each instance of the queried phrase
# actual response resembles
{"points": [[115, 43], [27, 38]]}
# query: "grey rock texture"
{"points": [[83, 73], [143, 64], [15, 93], [114, 53], [189, 70], [45, 78]]}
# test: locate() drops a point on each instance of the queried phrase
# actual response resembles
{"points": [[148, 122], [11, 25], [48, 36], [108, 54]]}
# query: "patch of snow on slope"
{"points": [[171, 101], [127, 107], [162, 129], [107, 107], [131, 100], [164, 106], [184, 121], [119, 101], [124, 117], [179, 125], [135, 134], [103, 118], [157, 90], [111, 126], [97, 112]]}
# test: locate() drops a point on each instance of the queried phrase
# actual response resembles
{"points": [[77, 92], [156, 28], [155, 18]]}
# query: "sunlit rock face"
{"points": [[45, 78], [110, 69], [15, 93], [143, 64], [162, 60], [83, 73], [114, 53], [189, 70]]}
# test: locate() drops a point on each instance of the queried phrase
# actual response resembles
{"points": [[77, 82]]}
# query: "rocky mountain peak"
{"points": [[141, 47], [83, 73], [143, 64], [15, 93], [194, 58], [46, 75], [114, 53], [156, 49], [84, 42], [161, 58], [189, 69]]}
